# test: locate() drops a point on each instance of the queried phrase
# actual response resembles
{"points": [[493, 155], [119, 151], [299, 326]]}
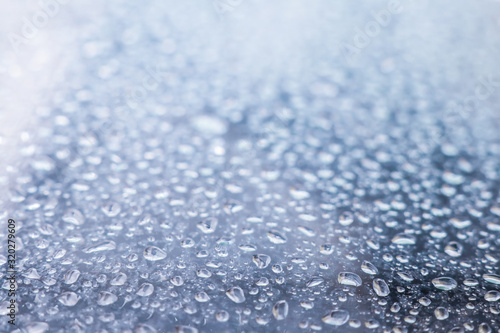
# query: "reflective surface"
{"points": [[240, 166]]}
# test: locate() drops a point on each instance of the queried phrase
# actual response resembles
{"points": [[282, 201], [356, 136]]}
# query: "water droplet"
{"points": [[209, 124], [208, 226], [185, 329], [492, 278], [380, 287], [492, 296], [203, 273], [71, 276], [275, 237], [460, 223], [404, 239], [349, 279], [424, 301], [236, 294], [154, 253], [280, 310], [484, 328], [106, 298], [222, 316], [201, 297], [177, 281], [111, 209], [261, 260], [32, 274], [441, 313], [143, 328], [68, 298], [118, 280], [73, 216], [369, 268], [146, 289], [346, 218], [103, 246], [247, 247], [315, 281], [326, 249], [444, 283], [454, 249], [337, 318]]}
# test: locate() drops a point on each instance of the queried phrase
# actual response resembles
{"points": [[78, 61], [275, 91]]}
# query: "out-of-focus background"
{"points": [[232, 165]]}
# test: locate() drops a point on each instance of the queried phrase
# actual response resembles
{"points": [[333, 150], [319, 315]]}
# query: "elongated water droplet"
{"points": [[404, 239], [118, 280], [280, 310], [369, 268], [68, 298], [441, 313], [275, 237], [145, 289], [444, 283], [315, 281], [73, 216], [106, 298], [349, 279], [492, 278], [492, 296], [103, 246], [337, 318], [153, 253], [261, 260], [380, 287]]}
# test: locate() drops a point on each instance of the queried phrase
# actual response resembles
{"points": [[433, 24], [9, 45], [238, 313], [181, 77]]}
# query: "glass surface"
{"points": [[250, 166]]}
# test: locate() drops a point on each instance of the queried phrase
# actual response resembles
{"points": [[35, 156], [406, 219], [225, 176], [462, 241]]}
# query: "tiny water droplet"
{"points": [[280, 310]]}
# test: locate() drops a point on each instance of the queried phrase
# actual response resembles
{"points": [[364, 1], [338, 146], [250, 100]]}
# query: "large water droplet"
{"points": [[154, 253], [106, 298], [68, 298], [236, 294], [454, 249], [444, 283], [380, 287], [441, 313], [71, 276], [337, 318], [73, 216], [315, 281], [492, 278], [103, 246], [492, 296], [276, 237], [146, 289], [280, 310], [404, 239], [261, 260], [369, 268], [349, 279]]}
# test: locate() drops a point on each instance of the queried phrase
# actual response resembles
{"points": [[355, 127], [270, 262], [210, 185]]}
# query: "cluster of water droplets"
{"points": [[278, 205]]}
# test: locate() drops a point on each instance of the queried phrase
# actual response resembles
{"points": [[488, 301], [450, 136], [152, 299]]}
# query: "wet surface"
{"points": [[241, 166]]}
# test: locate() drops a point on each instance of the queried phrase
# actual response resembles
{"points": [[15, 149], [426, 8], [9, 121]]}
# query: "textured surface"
{"points": [[240, 166]]}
